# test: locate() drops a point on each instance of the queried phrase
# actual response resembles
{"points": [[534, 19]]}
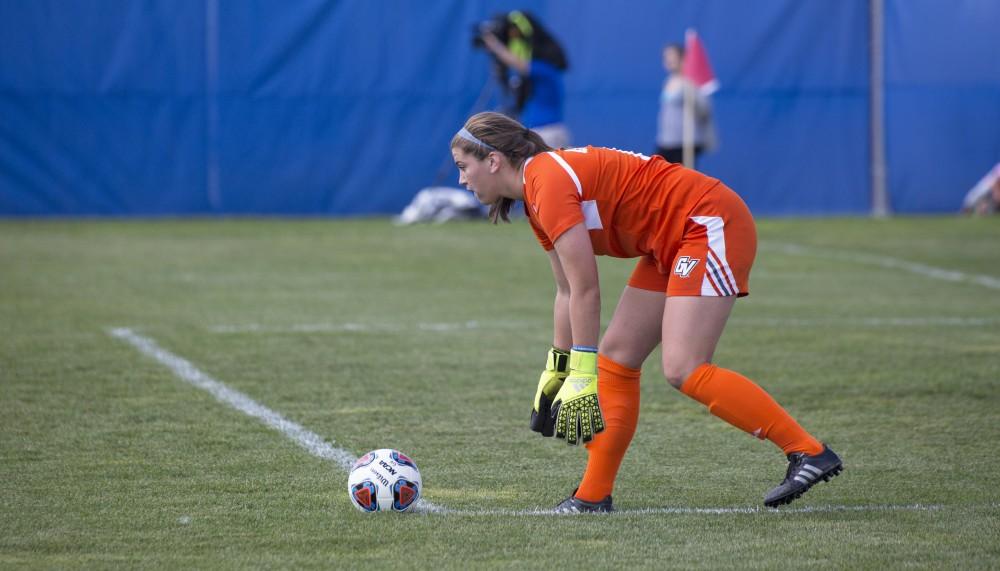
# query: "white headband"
{"points": [[465, 134]]}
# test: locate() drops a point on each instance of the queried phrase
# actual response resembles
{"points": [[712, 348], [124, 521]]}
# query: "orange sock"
{"points": [[618, 392], [740, 402]]}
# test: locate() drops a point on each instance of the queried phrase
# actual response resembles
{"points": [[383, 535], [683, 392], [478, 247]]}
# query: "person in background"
{"points": [[670, 122], [531, 66], [984, 198]]}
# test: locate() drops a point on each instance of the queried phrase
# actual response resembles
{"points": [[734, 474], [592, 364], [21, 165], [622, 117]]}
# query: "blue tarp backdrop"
{"points": [[289, 107]]}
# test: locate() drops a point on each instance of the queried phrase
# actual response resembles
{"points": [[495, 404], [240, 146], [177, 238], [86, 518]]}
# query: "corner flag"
{"points": [[696, 65]]}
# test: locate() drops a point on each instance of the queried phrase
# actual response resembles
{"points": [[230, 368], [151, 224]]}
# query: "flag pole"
{"points": [[687, 132], [880, 193], [688, 125]]}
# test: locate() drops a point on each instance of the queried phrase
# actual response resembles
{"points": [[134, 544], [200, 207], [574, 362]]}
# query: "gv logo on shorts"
{"points": [[684, 266]]}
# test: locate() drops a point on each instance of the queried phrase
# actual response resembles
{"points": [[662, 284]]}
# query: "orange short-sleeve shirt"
{"points": [[633, 205]]}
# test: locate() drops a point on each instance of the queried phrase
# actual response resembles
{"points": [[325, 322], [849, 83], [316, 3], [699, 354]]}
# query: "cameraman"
{"points": [[530, 66]]}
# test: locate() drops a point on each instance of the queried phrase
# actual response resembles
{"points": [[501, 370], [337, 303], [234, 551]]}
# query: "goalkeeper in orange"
{"points": [[695, 242]]}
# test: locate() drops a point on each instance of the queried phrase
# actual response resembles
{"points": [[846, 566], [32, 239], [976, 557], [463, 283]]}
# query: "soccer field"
{"points": [[881, 336]]}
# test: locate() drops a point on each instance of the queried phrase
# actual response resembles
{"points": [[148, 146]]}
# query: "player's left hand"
{"points": [[551, 380], [576, 409]]}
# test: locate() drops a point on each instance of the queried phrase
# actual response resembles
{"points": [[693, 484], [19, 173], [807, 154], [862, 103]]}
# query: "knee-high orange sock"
{"points": [[618, 392], [740, 402]]}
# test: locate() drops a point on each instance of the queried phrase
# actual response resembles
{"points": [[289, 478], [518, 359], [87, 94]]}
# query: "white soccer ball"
{"points": [[384, 480]]}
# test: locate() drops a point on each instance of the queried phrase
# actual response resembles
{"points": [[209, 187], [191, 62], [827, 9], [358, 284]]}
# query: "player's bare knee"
{"points": [[621, 353], [676, 373], [675, 381]]}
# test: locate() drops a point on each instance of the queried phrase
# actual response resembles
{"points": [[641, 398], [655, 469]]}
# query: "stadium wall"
{"points": [[208, 107]]}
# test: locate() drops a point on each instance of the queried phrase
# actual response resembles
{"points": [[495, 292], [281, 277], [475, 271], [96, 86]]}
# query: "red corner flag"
{"points": [[696, 66]]}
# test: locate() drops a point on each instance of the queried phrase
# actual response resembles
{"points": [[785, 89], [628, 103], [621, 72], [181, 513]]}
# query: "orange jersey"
{"points": [[632, 204]]}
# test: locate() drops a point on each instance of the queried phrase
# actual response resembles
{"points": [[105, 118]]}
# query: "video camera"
{"points": [[496, 26], [544, 46]]}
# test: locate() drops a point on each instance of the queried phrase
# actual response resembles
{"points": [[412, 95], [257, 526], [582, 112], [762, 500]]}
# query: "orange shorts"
{"points": [[714, 255]]}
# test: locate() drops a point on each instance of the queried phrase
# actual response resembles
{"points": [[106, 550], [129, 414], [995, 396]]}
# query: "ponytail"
{"points": [[500, 210]]}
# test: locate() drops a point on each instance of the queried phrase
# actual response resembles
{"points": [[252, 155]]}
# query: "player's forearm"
{"points": [[562, 333], [585, 316]]}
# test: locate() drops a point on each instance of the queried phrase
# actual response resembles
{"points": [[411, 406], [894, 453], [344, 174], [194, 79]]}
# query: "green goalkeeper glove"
{"points": [[556, 368], [576, 410]]}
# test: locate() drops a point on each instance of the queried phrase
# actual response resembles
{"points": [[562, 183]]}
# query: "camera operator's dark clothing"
{"points": [[543, 106]]}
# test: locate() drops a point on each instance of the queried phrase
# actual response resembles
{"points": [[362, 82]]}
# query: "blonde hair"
{"points": [[505, 136]]}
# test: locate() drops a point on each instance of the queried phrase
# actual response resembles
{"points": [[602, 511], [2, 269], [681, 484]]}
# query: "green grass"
{"points": [[108, 460]]}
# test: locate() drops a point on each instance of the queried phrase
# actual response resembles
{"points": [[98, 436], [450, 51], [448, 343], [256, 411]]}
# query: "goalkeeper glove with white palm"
{"points": [[576, 409], [556, 368]]}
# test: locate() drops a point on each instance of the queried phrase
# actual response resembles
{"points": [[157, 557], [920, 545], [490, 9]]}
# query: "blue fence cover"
{"points": [[942, 100], [308, 107]]}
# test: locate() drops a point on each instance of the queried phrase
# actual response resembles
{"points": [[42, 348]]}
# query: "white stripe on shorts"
{"points": [[714, 273], [716, 267], [724, 272]]}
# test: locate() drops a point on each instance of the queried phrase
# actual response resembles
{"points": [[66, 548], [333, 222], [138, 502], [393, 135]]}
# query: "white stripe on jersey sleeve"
{"points": [[591, 216], [569, 170]]}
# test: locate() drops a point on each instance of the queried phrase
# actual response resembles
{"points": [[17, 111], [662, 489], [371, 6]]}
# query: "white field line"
{"points": [[438, 327], [315, 445], [750, 510], [313, 328], [887, 262], [868, 321], [186, 371]]}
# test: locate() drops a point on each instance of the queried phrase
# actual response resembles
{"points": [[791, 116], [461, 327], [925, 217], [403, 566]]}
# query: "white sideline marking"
{"points": [[365, 327], [890, 263], [713, 511], [183, 369], [868, 321], [315, 445], [349, 327]]}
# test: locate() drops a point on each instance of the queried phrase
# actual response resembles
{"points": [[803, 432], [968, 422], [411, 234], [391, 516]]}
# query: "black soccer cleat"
{"points": [[803, 472], [574, 505]]}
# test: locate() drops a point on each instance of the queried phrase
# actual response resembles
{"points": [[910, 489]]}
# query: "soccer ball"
{"points": [[384, 480]]}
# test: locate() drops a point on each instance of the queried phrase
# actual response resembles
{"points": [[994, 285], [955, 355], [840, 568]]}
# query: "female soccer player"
{"points": [[695, 240]]}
